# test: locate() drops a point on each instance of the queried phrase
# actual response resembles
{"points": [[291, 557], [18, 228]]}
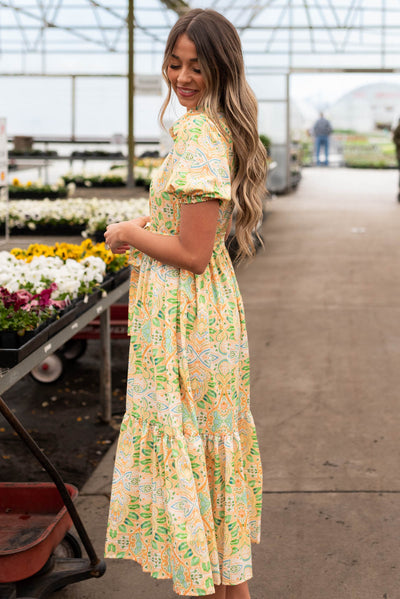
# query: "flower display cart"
{"points": [[29, 356]]}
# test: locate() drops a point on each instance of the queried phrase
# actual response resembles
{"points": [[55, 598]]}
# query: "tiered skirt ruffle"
{"points": [[186, 506]]}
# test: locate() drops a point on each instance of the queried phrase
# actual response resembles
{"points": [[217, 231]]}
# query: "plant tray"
{"points": [[57, 229], [65, 319], [108, 283], [9, 357], [14, 353], [90, 300], [121, 275]]}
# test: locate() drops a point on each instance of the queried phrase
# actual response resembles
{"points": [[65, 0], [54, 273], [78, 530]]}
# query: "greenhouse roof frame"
{"points": [[287, 35]]}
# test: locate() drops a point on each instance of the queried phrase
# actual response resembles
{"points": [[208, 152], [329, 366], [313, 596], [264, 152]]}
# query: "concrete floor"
{"points": [[323, 313]]}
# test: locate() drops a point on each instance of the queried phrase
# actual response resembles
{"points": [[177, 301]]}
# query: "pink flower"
{"points": [[24, 300], [16, 300]]}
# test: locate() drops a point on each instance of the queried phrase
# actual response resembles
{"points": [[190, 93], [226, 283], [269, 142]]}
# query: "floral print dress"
{"points": [[186, 494]]}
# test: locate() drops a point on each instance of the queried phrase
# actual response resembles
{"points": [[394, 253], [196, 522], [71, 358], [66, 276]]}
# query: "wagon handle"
{"points": [[55, 476]]}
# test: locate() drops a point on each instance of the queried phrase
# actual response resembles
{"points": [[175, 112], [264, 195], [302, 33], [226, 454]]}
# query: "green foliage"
{"points": [[369, 153], [33, 153], [103, 180], [266, 142], [19, 321], [95, 180], [306, 150], [35, 192], [95, 154], [345, 131]]}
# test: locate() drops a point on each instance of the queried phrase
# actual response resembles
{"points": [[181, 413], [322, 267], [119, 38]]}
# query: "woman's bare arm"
{"points": [[191, 249]]}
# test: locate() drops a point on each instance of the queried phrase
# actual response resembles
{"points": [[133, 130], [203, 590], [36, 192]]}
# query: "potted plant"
{"points": [[22, 313]]}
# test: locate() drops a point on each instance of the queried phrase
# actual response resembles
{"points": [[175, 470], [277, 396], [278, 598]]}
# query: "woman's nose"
{"points": [[184, 75]]}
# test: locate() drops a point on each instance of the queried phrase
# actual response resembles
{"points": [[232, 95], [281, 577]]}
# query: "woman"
{"points": [[186, 498]]}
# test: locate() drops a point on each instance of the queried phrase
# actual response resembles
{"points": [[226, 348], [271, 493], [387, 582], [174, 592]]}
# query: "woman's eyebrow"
{"points": [[191, 60]]}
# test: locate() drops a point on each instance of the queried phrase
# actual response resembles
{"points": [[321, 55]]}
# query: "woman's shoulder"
{"points": [[197, 123]]}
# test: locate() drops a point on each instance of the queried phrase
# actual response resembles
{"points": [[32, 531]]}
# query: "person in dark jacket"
{"points": [[396, 141], [322, 130]]}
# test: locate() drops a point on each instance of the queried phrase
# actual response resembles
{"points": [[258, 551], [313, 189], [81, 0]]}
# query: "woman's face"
{"points": [[184, 73]]}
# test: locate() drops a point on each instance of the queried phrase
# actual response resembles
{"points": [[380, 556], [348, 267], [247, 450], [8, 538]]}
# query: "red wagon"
{"points": [[33, 522], [37, 553]]}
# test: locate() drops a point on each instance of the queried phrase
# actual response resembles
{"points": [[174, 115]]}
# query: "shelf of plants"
{"points": [[69, 217], [37, 354], [45, 290]]}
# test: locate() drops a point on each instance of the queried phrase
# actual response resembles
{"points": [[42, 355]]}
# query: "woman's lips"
{"points": [[187, 92]]}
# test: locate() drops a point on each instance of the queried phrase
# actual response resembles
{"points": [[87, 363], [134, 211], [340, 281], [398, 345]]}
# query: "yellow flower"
{"points": [[15, 181], [76, 252], [18, 253], [87, 244]]}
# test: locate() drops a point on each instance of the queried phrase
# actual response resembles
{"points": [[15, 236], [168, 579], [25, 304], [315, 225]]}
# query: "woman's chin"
{"points": [[188, 104]]}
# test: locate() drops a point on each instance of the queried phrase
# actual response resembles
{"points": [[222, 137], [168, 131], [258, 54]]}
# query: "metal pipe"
{"points": [[105, 366], [131, 95], [288, 143], [73, 107]]}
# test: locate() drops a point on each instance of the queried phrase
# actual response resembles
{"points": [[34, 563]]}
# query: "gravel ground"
{"points": [[63, 418]]}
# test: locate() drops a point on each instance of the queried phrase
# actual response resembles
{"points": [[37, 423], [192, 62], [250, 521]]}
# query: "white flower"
{"points": [[69, 275], [7, 258], [94, 214], [13, 285]]}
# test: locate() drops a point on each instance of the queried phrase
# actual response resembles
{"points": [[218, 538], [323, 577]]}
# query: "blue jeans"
{"points": [[322, 141]]}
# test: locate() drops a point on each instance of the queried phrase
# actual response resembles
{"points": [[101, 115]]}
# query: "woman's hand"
{"points": [[117, 233], [190, 249]]}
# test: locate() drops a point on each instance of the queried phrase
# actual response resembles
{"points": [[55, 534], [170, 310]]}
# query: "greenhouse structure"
{"points": [[76, 42], [232, 424]]}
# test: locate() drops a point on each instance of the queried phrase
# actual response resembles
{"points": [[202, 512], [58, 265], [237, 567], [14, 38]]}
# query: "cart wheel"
{"points": [[73, 349], [49, 565], [69, 547], [48, 371]]}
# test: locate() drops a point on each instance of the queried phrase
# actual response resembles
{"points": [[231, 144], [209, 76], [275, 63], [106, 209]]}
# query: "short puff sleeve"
{"points": [[201, 161]]}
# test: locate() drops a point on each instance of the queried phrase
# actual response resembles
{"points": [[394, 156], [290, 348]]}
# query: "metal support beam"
{"points": [[131, 95], [288, 136], [179, 6], [73, 107], [105, 366]]}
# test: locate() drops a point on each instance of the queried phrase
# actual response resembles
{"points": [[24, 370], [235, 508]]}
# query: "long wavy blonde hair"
{"points": [[220, 57]]}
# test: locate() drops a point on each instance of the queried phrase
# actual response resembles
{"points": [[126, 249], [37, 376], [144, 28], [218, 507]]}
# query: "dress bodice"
{"points": [[197, 168]]}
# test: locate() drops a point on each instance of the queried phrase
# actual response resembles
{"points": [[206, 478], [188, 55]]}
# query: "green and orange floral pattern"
{"points": [[186, 496]]}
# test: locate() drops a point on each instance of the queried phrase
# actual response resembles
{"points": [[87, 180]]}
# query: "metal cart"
{"points": [[37, 553]]}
